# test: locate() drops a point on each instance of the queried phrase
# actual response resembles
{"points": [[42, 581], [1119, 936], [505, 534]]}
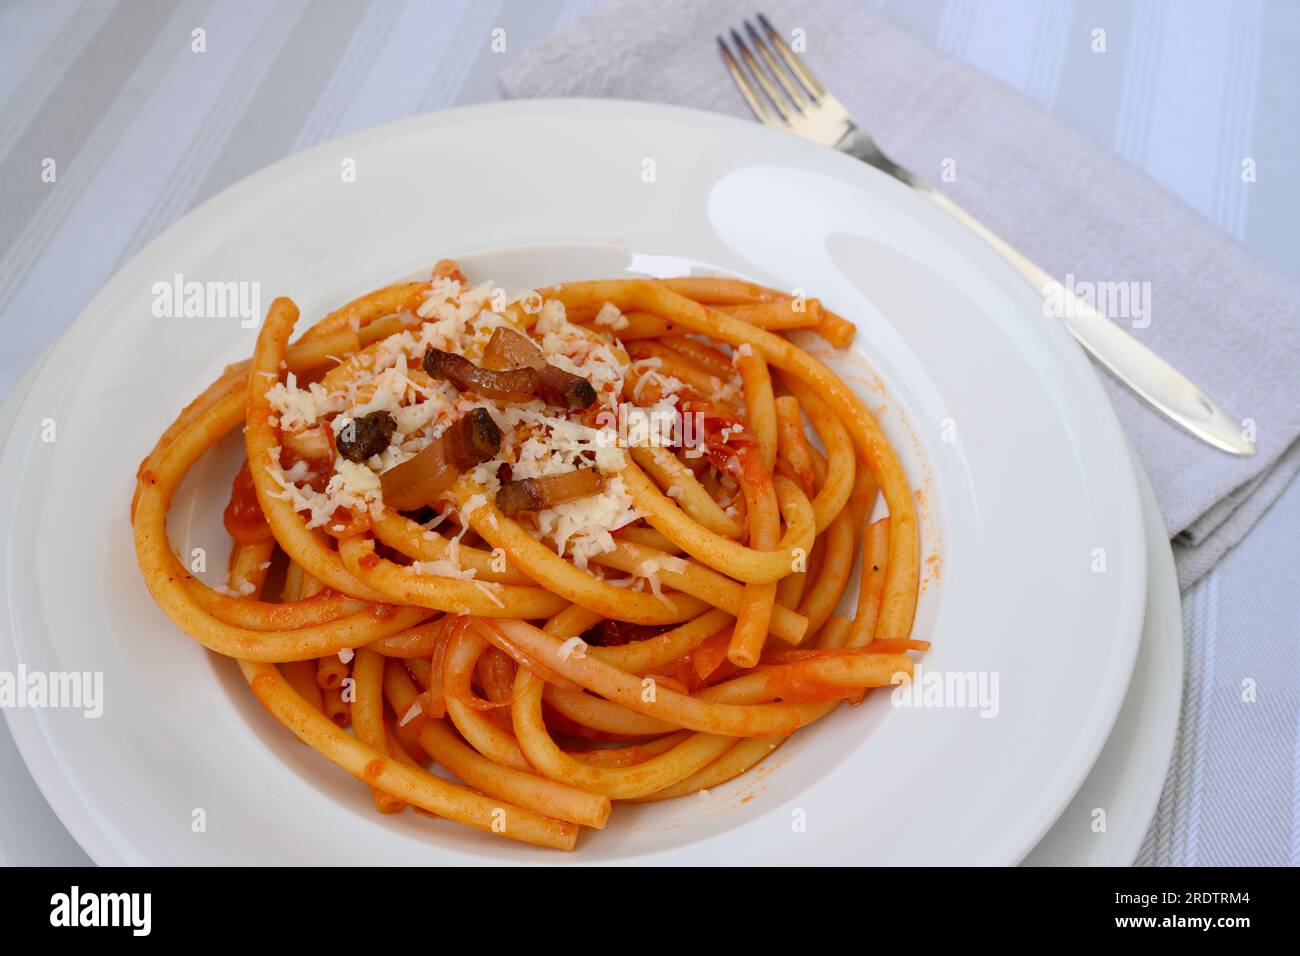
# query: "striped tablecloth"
{"points": [[144, 108]]}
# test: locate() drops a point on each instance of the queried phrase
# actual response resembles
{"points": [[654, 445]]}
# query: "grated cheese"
{"points": [[490, 591], [442, 568], [583, 527], [610, 316], [299, 408], [536, 441], [238, 588], [649, 570]]}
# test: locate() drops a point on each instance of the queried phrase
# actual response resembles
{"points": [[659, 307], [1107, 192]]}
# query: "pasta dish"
{"points": [[581, 544]]}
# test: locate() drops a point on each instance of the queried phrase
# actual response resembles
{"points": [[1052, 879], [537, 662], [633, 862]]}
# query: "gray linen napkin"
{"points": [[1223, 318]]}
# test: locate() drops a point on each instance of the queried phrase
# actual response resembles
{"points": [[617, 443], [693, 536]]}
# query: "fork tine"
{"points": [[746, 89], [757, 72], [792, 90], [805, 75]]}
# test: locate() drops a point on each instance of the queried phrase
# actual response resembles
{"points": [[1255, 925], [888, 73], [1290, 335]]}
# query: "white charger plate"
{"points": [[1017, 511]]}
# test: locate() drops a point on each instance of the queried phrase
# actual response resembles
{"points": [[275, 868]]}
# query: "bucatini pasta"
{"points": [[572, 547]]}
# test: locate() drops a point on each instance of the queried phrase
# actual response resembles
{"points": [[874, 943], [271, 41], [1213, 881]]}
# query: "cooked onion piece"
{"points": [[517, 372], [558, 387], [422, 480], [516, 385], [534, 494], [510, 349]]}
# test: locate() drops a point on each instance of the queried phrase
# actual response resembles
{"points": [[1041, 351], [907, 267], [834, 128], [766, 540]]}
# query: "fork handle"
{"points": [[1149, 376]]}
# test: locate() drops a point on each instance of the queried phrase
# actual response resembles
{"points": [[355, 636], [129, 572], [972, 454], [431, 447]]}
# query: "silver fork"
{"points": [[784, 94]]}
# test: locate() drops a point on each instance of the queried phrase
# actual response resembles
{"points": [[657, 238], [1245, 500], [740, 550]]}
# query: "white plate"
{"points": [[1018, 512], [1125, 782], [1107, 820], [30, 833]]}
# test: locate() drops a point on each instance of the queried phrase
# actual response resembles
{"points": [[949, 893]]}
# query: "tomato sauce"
{"points": [[711, 655], [322, 468], [727, 453], [243, 516]]}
